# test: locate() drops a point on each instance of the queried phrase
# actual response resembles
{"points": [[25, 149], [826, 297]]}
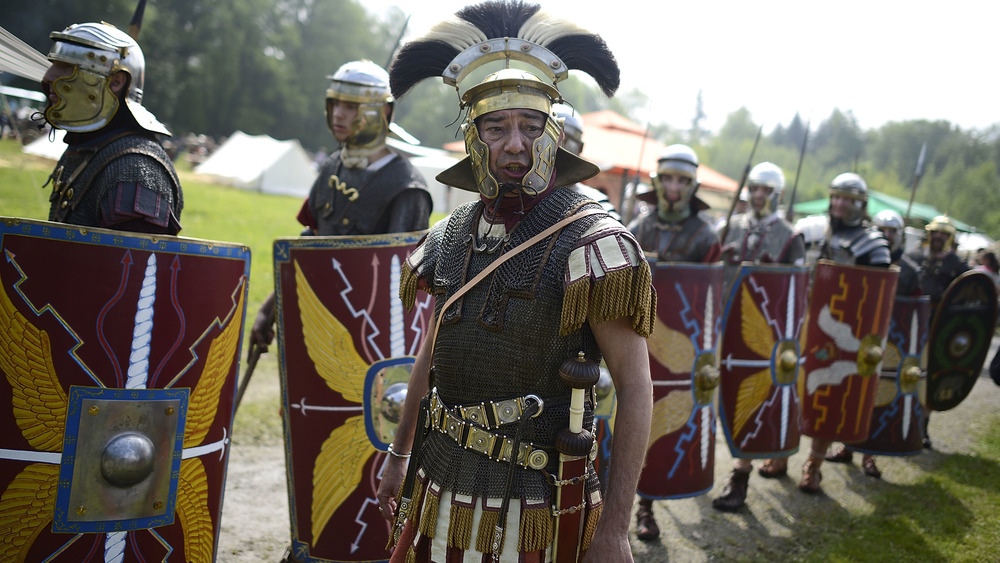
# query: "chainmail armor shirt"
{"points": [[391, 198], [122, 180], [689, 240], [769, 240], [508, 335]]}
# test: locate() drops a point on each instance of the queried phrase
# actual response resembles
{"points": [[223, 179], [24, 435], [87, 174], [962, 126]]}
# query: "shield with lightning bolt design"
{"points": [[680, 456], [897, 419], [849, 312], [961, 330], [760, 360], [119, 355], [347, 347]]}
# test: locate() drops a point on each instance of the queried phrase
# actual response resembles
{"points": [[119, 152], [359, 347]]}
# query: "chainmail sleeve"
{"points": [[417, 272], [606, 278]]}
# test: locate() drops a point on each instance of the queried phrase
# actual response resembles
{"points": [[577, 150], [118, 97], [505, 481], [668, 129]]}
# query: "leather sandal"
{"points": [[646, 528], [869, 467], [734, 494], [811, 477], [842, 455], [774, 468]]}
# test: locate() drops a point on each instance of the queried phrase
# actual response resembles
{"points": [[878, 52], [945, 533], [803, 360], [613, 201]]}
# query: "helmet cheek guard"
{"points": [[543, 159], [86, 102]]}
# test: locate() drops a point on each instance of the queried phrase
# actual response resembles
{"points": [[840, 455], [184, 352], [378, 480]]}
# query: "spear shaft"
{"points": [[916, 180], [798, 171], [739, 189]]}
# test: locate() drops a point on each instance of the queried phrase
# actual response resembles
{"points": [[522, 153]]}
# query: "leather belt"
{"points": [[469, 426]]}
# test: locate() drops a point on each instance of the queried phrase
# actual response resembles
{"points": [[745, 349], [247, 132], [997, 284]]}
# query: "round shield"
{"points": [[960, 339]]}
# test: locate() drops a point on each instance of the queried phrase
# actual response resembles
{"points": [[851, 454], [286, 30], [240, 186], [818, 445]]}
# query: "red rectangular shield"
{"points": [[849, 312], [347, 347], [120, 354]]}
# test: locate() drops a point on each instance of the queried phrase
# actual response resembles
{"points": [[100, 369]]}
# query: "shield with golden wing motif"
{"points": [[760, 360], [961, 330], [347, 347], [897, 419], [119, 355], [849, 312], [680, 457]]}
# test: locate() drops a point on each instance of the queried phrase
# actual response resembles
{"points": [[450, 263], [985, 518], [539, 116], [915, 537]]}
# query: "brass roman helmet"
{"points": [[97, 51], [502, 33]]}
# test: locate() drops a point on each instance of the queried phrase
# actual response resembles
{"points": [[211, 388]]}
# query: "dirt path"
{"points": [[255, 524]]}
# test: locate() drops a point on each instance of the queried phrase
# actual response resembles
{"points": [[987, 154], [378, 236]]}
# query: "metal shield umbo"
{"points": [[347, 347], [760, 360], [680, 457], [120, 354], [961, 329], [897, 419], [849, 311]]}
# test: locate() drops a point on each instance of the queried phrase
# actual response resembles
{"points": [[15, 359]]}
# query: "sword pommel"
{"points": [[580, 374]]}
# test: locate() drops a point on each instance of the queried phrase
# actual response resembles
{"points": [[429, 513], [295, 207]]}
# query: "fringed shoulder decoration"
{"points": [[606, 278], [413, 274]]}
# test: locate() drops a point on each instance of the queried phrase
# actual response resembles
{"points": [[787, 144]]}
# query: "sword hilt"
{"points": [[580, 374]]}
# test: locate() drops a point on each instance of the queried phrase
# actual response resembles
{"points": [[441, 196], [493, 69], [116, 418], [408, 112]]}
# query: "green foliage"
{"points": [[959, 176], [261, 67]]}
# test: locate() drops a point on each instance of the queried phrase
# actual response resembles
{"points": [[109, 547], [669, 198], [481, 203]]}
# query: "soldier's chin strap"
{"points": [[406, 491]]}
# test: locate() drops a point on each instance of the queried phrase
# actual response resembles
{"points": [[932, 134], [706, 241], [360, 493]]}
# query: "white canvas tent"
{"points": [[261, 163], [430, 162], [45, 148]]}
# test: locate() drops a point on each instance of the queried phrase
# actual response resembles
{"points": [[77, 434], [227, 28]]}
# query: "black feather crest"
{"points": [[430, 56]]}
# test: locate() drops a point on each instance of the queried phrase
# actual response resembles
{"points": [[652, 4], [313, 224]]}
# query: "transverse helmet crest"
{"points": [[502, 32]]}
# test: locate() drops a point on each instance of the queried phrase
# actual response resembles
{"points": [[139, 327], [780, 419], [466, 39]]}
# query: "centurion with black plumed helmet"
{"points": [[508, 31], [533, 284]]}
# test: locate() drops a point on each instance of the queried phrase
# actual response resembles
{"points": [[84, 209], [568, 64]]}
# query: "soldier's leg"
{"points": [[843, 454], [811, 475], [774, 468], [734, 493], [646, 528]]}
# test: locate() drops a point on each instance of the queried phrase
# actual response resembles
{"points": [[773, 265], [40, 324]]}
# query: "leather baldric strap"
{"points": [[406, 491], [499, 262]]}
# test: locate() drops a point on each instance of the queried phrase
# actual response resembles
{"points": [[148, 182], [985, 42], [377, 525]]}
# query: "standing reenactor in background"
{"points": [[939, 265], [760, 235], [891, 225], [672, 231], [114, 173], [850, 241], [364, 188]]}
